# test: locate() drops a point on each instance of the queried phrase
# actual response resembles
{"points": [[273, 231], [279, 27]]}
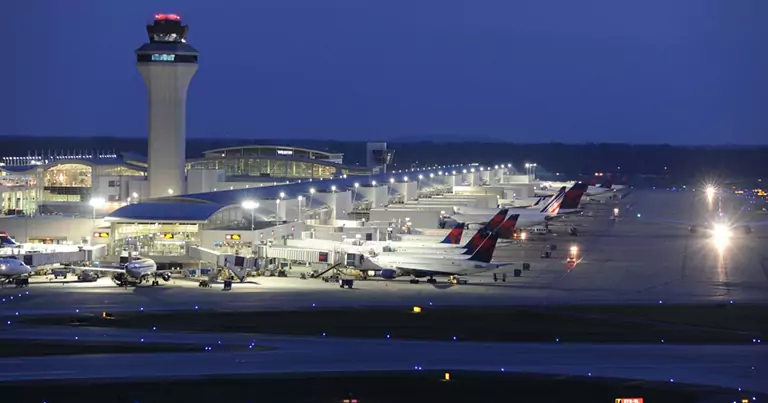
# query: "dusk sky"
{"points": [[666, 71]]}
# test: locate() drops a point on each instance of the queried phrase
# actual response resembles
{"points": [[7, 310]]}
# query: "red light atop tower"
{"points": [[163, 17]]}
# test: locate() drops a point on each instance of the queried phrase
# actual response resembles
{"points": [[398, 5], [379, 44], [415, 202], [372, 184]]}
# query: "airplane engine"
{"points": [[119, 278], [166, 277], [388, 273]]}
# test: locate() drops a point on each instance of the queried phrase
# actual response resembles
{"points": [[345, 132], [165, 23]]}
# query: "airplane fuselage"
{"points": [[11, 268], [526, 219], [140, 269]]}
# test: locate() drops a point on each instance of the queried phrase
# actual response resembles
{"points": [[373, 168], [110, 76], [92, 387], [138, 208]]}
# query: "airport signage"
{"points": [[629, 400], [323, 257], [167, 235], [101, 234], [232, 237], [284, 152]]}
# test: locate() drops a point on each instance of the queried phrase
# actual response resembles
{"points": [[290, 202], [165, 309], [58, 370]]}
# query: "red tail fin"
{"points": [[485, 252], [507, 228]]}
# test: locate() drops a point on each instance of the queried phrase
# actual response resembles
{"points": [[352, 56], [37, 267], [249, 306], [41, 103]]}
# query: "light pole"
{"points": [[301, 199], [354, 194], [311, 195]]}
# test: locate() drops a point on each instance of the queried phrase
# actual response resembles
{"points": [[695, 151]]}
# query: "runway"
{"points": [[644, 257], [726, 366]]}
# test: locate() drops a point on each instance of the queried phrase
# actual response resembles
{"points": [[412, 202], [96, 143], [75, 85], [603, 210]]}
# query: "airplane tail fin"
{"points": [[493, 224], [454, 236], [554, 204], [538, 201], [573, 196], [485, 252], [507, 228], [7, 241]]}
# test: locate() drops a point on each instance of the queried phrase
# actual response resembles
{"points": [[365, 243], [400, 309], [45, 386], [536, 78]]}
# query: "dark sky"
{"points": [[676, 71]]}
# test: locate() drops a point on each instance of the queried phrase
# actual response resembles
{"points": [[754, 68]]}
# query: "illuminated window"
{"points": [[68, 175], [163, 58]]}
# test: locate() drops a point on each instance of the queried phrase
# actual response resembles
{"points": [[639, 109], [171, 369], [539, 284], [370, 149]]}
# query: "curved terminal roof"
{"points": [[292, 190], [201, 206], [165, 211], [326, 154], [287, 158]]}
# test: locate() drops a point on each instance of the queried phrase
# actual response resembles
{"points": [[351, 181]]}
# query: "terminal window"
{"points": [[163, 58]]}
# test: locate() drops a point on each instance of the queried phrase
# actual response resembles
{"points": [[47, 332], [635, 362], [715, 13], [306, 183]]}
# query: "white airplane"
{"points": [[527, 218], [465, 210], [13, 268], [391, 267], [137, 271], [505, 230], [523, 201], [606, 187]]}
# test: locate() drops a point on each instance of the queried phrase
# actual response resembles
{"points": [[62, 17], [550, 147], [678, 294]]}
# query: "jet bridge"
{"points": [[80, 254], [238, 265]]}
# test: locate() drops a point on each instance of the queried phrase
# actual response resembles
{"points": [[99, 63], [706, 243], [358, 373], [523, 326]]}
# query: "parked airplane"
{"points": [[527, 218], [11, 269], [506, 231], [496, 220], [598, 190], [420, 267], [464, 210], [136, 271]]}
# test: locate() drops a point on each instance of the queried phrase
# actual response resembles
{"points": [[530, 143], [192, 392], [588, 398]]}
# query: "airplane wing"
{"points": [[425, 270], [120, 269]]}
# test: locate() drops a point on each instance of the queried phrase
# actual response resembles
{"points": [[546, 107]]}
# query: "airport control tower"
{"points": [[167, 63]]}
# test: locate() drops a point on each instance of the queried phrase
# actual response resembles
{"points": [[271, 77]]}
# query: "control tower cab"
{"points": [[167, 64]]}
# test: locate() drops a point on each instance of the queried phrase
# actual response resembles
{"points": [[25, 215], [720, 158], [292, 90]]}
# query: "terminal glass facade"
{"points": [[67, 183], [72, 182], [68, 175], [245, 167], [154, 239]]}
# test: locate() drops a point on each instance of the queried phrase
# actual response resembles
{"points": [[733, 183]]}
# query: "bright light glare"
{"points": [[97, 202], [250, 205], [721, 236], [574, 249], [710, 191]]}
